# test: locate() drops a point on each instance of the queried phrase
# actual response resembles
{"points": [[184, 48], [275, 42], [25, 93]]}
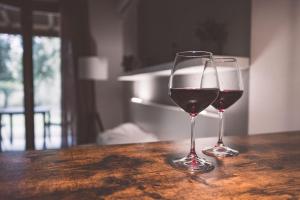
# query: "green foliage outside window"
{"points": [[46, 60]]}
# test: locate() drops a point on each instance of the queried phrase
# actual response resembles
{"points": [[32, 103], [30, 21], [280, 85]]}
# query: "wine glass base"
{"points": [[193, 163], [220, 151]]}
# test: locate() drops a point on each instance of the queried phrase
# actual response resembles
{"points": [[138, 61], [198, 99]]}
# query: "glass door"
{"points": [[30, 77], [12, 126], [47, 92]]}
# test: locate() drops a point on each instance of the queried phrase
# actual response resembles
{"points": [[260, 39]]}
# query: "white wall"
{"points": [[295, 89], [106, 28], [273, 81]]}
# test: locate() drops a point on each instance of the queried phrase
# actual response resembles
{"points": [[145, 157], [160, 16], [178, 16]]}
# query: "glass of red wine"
{"points": [[231, 89], [193, 86]]}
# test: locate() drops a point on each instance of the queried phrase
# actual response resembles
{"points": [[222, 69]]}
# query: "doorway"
{"points": [[43, 76]]}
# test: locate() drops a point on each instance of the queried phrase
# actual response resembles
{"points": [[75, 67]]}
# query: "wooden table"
{"points": [[267, 168]]}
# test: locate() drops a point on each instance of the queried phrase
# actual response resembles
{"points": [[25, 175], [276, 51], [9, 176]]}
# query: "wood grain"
{"points": [[267, 168]]}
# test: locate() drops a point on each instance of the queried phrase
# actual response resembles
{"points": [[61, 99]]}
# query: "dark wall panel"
{"points": [[168, 26]]}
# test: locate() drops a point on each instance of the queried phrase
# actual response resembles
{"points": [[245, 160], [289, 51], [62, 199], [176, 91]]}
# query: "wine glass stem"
{"points": [[192, 151], [221, 128]]}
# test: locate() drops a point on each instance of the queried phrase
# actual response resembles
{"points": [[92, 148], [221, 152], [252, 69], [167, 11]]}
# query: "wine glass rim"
{"points": [[194, 54], [224, 59]]}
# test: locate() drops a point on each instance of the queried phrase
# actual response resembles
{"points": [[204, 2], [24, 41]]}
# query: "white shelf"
{"points": [[164, 69]]}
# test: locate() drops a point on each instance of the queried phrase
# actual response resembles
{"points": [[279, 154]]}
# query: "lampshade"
{"points": [[93, 68]]}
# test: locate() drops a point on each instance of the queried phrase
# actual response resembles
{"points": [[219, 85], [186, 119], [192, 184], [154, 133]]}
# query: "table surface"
{"points": [[268, 167]]}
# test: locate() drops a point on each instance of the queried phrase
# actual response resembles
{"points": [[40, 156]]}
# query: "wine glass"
{"points": [[193, 86], [231, 89]]}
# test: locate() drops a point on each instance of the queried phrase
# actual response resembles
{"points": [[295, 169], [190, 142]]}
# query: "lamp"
{"points": [[95, 69]]}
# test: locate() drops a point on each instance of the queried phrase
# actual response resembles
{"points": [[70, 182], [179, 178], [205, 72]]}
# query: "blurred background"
{"points": [[96, 71]]}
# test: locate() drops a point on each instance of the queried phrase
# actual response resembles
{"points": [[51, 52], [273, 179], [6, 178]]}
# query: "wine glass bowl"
{"points": [[231, 90], [193, 86]]}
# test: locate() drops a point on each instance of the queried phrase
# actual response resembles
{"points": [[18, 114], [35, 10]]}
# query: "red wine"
{"points": [[226, 98], [193, 101]]}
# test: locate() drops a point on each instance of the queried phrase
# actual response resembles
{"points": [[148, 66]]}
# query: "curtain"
{"points": [[78, 96]]}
